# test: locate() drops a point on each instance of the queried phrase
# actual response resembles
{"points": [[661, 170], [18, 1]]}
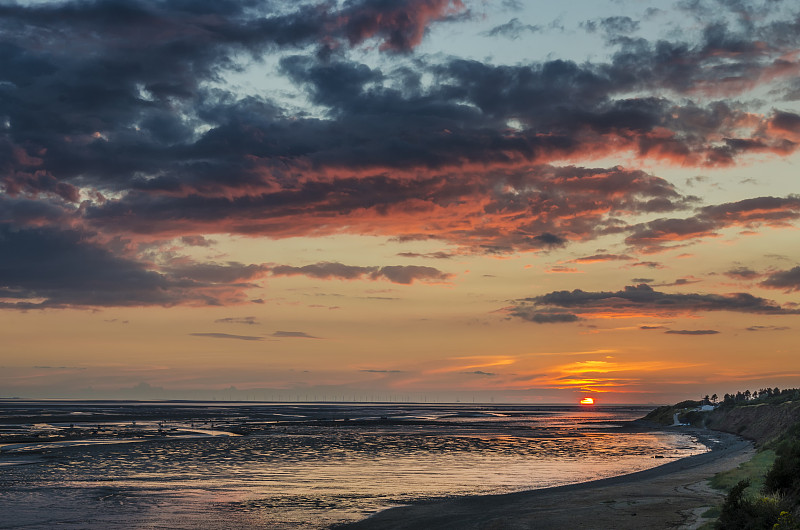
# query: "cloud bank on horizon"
{"points": [[136, 135]]}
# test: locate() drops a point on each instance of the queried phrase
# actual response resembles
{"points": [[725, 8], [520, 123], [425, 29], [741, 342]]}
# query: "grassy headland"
{"points": [[763, 493]]}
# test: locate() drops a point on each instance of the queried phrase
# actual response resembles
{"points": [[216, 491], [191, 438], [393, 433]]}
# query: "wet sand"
{"points": [[673, 495]]}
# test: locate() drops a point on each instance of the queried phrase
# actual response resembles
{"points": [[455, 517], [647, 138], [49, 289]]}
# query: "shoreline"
{"points": [[671, 495]]}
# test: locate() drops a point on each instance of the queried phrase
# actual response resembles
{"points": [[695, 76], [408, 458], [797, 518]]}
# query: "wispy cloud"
{"points": [[250, 321], [226, 336], [402, 274], [293, 335], [692, 332]]}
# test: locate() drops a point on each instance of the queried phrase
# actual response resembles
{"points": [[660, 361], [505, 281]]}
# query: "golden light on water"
{"points": [[587, 401]]}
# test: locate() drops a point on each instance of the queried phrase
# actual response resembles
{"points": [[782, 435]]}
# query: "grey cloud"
{"points": [[110, 127], [513, 29], [601, 257], [612, 26], [543, 316], [197, 241], [788, 280], [648, 264], [678, 282], [293, 335], [567, 306], [47, 267], [692, 332], [229, 273], [402, 274], [251, 321], [431, 255], [227, 336], [407, 274], [324, 270], [767, 328], [743, 273], [662, 233]]}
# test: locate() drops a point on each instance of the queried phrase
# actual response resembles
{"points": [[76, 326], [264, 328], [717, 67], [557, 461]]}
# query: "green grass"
{"points": [[708, 525], [754, 470]]}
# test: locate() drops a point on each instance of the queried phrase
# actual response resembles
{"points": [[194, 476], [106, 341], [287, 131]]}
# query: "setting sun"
{"points": [[587, 401]]}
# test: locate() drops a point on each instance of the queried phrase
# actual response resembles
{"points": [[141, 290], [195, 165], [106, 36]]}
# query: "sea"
{"points": [[298, 465]]}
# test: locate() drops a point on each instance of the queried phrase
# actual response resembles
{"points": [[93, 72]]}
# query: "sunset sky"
{"points": [[421, 200]]}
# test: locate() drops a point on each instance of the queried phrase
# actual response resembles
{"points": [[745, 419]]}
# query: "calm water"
{"points": [[304, 466]]}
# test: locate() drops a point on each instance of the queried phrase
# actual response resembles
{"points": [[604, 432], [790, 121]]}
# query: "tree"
{"points": [[714, 399]]}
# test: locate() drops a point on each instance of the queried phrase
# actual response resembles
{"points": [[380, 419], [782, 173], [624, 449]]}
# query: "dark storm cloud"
{"points": [[567, 306], [403, 274], [166, 142], [786, 121], [48, 267], [399, 25], [109, 126], [787, 280], [105, 91], [44, 267], [144, 113]]}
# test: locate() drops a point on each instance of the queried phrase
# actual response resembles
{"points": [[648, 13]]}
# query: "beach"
{"points": [[673, 495]]}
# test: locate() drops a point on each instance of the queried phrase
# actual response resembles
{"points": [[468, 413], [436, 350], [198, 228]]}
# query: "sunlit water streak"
{"points": [[312, 474]]}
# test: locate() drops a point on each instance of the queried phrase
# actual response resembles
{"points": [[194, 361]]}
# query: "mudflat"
{"points": [[673, 495]]}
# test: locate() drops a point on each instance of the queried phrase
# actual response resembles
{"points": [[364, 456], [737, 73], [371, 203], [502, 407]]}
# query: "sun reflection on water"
{"points": [[316, 476]]}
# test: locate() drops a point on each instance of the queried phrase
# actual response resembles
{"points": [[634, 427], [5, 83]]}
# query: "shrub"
{"points": [[784, 477], [740, 513]]}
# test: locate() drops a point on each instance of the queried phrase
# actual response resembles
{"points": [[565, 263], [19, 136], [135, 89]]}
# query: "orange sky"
{"points": [[436, 201]]}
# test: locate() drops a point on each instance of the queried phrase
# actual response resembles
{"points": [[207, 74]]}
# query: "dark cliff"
{"points": [[759, 422]]}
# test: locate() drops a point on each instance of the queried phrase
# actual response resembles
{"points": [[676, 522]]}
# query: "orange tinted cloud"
{"points": [[602, 376]]}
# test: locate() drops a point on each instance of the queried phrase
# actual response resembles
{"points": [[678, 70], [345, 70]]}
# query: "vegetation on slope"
{"points": [[763, 493]]}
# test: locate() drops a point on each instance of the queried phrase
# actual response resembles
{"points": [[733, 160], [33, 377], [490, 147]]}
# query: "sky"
{"points": [[409, 200]]}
